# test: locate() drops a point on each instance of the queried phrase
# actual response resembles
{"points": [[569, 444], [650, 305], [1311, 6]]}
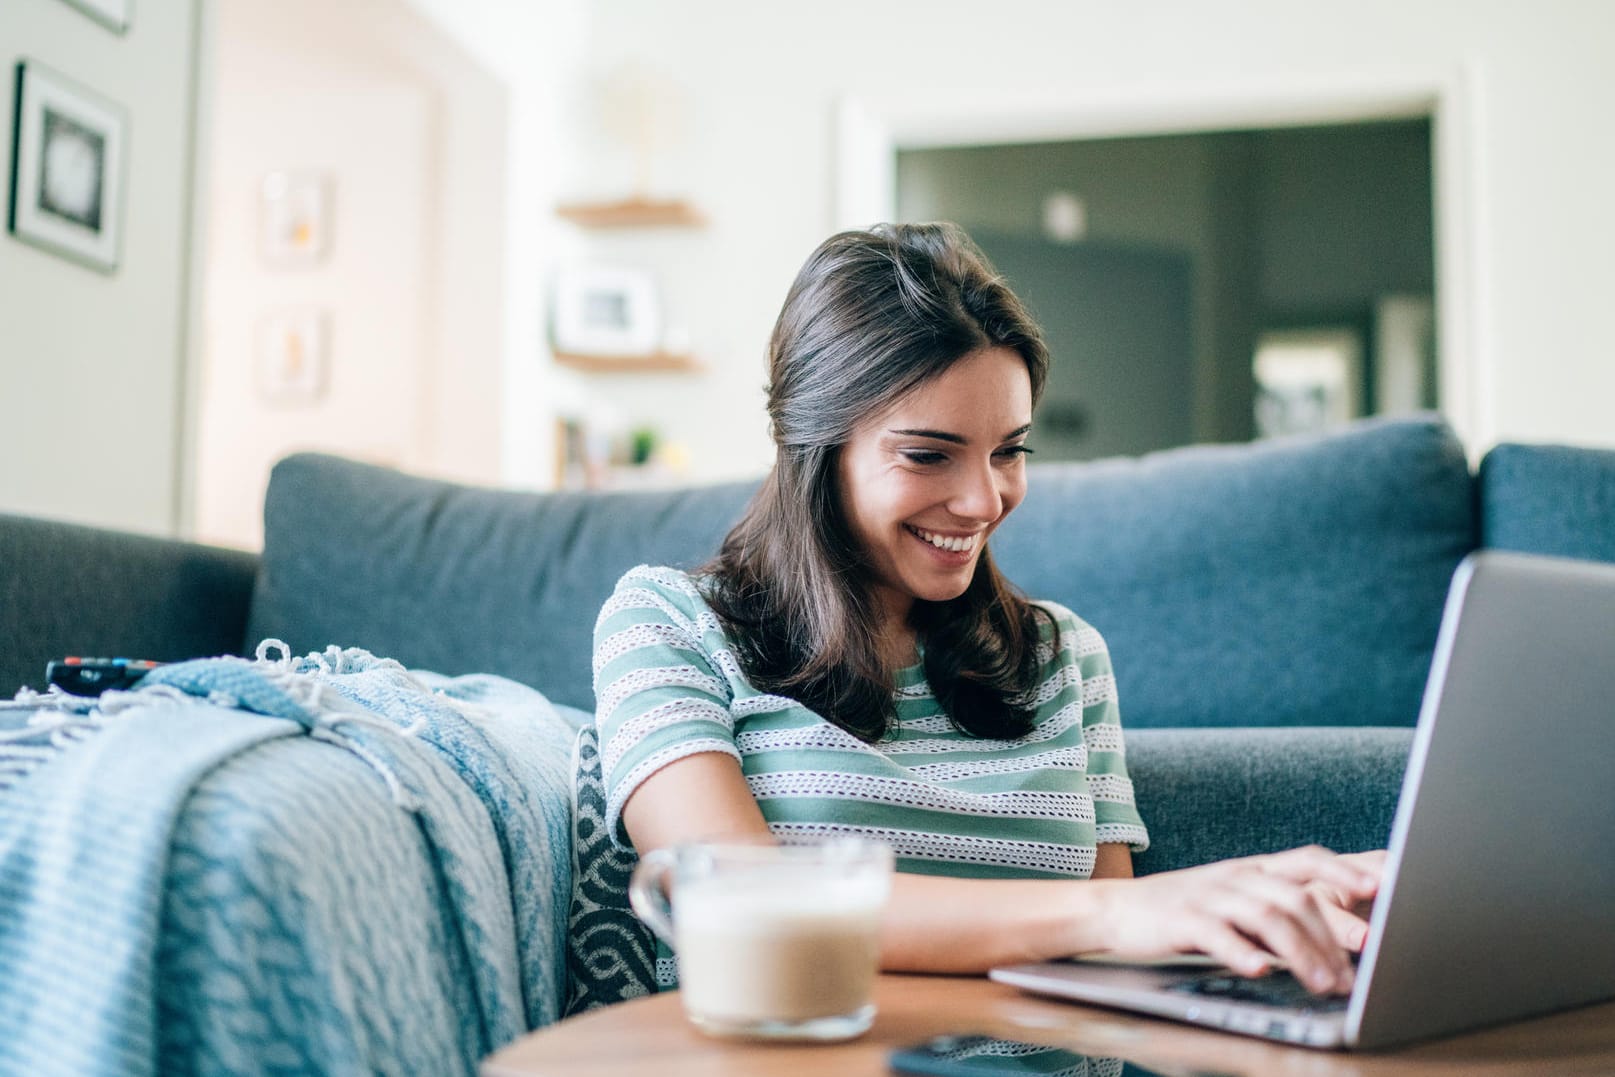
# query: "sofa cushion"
{"points": [[1549, 499], [1291, 582], [459, 579], [1211, 794]]}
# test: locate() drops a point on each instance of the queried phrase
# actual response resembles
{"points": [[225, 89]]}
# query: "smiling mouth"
{"points": [[949, 543]]}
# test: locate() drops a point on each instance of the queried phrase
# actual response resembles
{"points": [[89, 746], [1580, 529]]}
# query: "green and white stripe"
{"points": [[668, 686]]}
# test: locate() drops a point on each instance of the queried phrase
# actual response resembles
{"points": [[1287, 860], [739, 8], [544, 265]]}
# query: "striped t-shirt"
{"points": [[668, 685]]}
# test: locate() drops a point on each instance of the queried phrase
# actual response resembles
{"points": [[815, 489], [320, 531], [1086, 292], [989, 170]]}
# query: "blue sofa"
{"points": [[1271, 610]]}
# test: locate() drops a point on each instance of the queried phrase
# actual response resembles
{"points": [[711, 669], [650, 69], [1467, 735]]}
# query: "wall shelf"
{"points": [[648, 363], [633, 213]]}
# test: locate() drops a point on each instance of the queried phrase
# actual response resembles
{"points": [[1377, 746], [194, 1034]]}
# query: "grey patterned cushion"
{"points": [[610, 955]]}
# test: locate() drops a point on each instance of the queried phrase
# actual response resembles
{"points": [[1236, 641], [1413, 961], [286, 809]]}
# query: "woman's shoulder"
{"points": [[1076, 634], [660, 578], [662, 585], [1062, 615]]}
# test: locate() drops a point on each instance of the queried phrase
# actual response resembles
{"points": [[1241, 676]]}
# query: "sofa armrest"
{"points": [[270, 946], [1210, 794], [68, 589]]}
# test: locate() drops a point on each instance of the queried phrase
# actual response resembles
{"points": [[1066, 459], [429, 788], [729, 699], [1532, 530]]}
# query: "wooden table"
{"points": [[650, 1036]]}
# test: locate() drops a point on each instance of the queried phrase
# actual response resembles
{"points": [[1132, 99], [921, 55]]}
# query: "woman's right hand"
{"points": [[1244, 913]]}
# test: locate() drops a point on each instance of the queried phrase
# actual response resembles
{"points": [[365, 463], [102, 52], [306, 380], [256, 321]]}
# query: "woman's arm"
{"points": [[1241, 912]]}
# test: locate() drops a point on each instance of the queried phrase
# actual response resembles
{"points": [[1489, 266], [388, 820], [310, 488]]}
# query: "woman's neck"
{"points": [[894, 636], [898, 644]]}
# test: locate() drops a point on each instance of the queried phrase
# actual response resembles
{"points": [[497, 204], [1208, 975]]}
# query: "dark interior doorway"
{"points": [[1207, 287]]}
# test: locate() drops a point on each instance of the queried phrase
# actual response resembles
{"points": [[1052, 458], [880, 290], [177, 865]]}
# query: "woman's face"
{"points": [[926, 481]]}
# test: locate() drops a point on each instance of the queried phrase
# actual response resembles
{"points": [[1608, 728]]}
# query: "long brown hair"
{"points": [[871, 316]]}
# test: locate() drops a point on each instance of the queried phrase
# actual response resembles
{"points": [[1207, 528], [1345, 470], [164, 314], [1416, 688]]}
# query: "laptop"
{"points": [[1498, 899]]}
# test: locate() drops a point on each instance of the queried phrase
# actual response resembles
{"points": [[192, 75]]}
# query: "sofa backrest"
{"points": [[1284, 583], [1549, 499], [1298, 581], [69, 589], [459, 579]]}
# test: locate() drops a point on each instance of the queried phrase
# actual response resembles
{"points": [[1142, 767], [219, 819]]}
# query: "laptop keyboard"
{"points": [[1277, 989]]}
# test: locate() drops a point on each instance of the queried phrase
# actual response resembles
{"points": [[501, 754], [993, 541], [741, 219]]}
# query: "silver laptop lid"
{"points": [[1499, 894]]}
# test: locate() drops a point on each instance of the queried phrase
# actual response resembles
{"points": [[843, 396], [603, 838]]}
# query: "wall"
{"points": [[537, 49], [91, 365], [760, 87], [411, 133], [1345, 214], [760, 158]]}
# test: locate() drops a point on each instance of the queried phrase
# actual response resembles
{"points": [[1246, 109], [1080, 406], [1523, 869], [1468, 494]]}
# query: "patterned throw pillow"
{"points": [[610, 955]]}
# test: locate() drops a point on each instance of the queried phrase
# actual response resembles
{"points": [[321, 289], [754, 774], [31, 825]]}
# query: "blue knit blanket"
{"points": [[324, 864]]}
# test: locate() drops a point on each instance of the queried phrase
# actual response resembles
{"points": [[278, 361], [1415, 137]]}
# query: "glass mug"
{"points": [[773, 941]]}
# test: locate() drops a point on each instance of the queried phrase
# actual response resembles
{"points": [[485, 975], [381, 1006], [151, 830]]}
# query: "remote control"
{"points": [[92, 676]]}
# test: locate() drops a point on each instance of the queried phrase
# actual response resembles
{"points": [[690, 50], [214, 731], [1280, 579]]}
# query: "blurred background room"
{"points": [[541, 243]]}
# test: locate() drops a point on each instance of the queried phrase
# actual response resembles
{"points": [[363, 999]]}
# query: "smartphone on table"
{"points": [[991, 1056]]}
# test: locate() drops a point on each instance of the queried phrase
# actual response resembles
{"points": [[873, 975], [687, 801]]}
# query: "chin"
{"points": [[944, 592]]}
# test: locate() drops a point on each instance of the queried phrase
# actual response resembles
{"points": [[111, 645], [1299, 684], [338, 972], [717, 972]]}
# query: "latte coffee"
{"points": [[773, 941]]}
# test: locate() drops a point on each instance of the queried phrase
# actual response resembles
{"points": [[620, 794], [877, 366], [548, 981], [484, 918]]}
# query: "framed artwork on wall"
{"points": [[113, 14], [295, 219], [606, 311], [292, 364], [1308, 379], [67, 163]]}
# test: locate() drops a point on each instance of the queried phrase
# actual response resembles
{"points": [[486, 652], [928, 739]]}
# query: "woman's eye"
{"points": [[1013, 452], [924, 456]]}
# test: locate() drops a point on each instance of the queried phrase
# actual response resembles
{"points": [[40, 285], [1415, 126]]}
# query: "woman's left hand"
{"points": [[1348, 919]]}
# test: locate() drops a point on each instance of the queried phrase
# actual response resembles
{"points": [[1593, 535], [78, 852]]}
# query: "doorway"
{"points": [[1282, 235]]}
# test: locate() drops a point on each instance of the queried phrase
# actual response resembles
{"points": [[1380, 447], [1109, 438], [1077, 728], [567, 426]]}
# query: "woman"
{"points": [[852, 662]]}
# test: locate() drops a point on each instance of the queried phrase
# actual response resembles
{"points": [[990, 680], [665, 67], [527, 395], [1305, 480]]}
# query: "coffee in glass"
{"points": [[773, 941]]}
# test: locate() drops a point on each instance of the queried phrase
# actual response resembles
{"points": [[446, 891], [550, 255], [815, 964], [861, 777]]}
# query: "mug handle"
{"points": [[647, 892]]}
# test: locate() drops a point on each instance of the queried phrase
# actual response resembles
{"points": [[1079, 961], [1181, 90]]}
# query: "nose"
{"points": [[978, 495]]}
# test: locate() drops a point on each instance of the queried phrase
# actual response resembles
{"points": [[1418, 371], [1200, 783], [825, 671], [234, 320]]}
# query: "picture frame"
{"points": [[67, 168], [292, 367], [1308, 379], [113, 14], [295, 217], [606, 311]]}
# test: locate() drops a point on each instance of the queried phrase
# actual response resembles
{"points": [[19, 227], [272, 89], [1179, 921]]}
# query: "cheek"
{"points": [[861, 497], [1014, 493]]}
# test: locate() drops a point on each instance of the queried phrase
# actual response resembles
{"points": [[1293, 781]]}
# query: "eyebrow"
{"points": [[943, 435]]}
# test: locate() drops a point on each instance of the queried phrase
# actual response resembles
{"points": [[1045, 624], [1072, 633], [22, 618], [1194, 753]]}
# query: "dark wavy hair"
{"points": [[871, 316]]}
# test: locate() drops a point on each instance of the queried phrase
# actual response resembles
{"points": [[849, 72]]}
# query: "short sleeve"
{"points": [[1116, 818], [658, 693]]}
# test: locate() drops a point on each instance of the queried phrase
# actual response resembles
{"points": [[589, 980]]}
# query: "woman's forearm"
{"points": [[1249, 914], [1241, 912], [940, 924]]}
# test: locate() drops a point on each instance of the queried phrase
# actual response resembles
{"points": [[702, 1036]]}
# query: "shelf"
{"points": [[649, 363], [633, 213]]}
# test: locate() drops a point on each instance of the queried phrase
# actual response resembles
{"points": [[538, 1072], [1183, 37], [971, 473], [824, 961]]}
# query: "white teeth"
{"points": [[943, 542]]}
